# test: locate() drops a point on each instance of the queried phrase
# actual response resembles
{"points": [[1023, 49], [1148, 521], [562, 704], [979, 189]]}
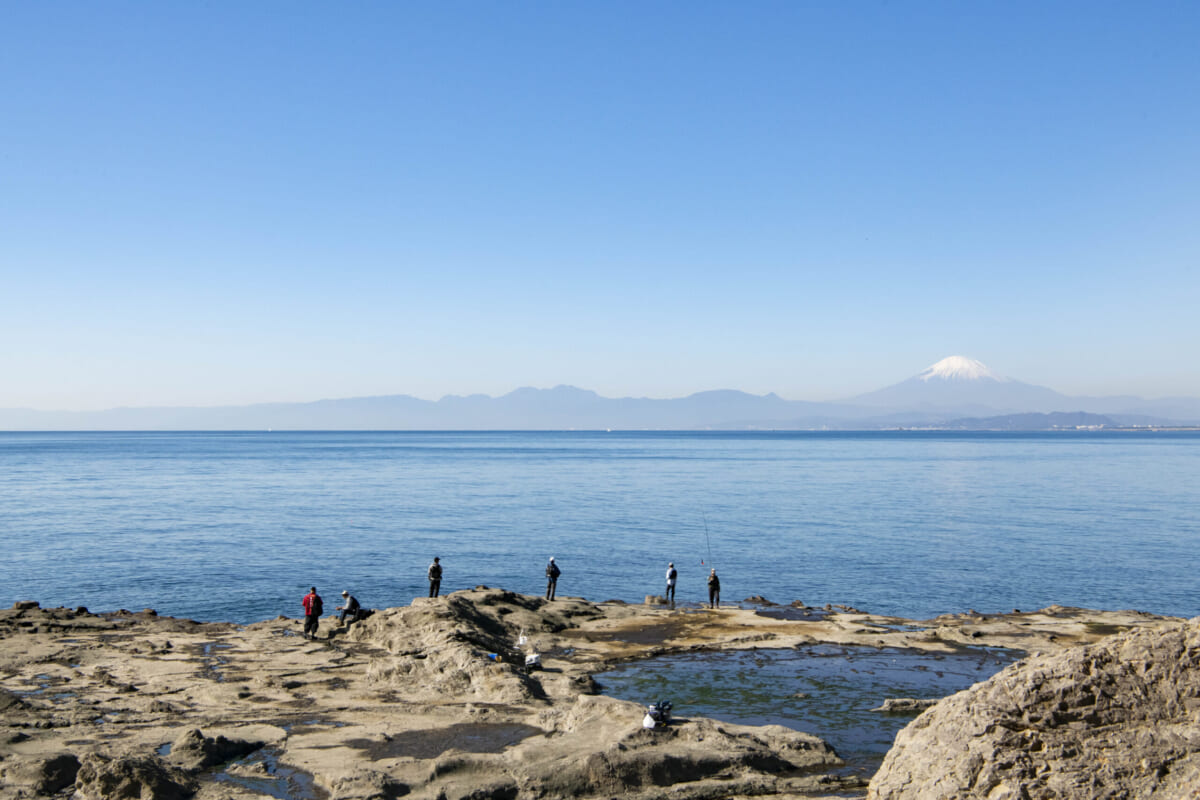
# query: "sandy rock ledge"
{"points": [[433, 701]]}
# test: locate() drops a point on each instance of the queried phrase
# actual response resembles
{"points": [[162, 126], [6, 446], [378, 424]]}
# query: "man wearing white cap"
{"points": [[350, 610], [671, 576]]}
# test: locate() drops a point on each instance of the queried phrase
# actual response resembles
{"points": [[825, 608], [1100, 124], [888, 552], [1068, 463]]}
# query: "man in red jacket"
{"points": [[313, 609]]}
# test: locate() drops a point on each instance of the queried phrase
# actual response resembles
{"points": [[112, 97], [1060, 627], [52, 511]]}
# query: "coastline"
{"points": [[432, 699]]}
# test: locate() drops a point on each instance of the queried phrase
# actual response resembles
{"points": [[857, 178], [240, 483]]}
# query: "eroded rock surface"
{"points": [[45, 775], [1120, 718], [103, 777], [427, 701], [193, 751]]}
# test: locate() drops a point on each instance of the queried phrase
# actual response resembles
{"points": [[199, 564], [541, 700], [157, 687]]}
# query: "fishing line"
{"points": [[707, 543]]}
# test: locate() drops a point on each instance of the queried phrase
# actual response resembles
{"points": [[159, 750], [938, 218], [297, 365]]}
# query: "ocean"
{"points": [[237, 526]]}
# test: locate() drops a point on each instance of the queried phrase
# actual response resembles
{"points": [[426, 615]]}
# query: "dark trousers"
{"points": [[352, 614], [311, 621], [551, 583], [714, 598], [670, 593], [435, 586]]}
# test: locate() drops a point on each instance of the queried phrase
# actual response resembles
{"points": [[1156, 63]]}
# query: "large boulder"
{"points": [[102, 777], [1120, 718], [604, 751], [193, 751], [463, 645]]}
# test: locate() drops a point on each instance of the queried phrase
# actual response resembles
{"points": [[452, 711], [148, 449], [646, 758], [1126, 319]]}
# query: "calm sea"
{"points": [[236, 526]]}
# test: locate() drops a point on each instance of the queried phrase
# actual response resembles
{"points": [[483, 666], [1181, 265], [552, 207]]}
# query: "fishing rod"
{"points": [[707, 543]]}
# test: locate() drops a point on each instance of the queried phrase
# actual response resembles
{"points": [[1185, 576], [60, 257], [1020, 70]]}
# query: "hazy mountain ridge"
{"points": [[952, 393]]}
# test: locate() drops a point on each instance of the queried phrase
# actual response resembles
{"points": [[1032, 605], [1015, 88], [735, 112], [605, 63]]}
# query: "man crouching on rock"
{"points": [[313, 609], [352, 610]]}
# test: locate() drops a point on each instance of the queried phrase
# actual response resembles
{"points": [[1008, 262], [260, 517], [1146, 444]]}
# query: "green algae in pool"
{"points": [[825, 690]]}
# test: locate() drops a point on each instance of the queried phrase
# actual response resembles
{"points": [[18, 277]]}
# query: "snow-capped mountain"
{"points": [[959, 368], [962, 386]]}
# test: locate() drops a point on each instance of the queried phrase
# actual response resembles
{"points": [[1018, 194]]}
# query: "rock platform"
{"points": [[431, 700]]}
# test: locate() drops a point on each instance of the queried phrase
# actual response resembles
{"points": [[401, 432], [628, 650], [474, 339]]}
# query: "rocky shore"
{"points": [[434, 701]]}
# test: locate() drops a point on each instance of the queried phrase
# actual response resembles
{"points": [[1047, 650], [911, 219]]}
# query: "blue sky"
{"points": [[212, 203]]}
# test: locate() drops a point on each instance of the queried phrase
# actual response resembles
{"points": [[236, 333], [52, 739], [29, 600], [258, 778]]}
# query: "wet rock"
{"points": [[10, 702], [1114, 719], [500, 790], [194, 751], [102, 777], [655, 600], [45, 775], [905, 705], [253, 770], [758, 600], [26, 605], [585, 684]]}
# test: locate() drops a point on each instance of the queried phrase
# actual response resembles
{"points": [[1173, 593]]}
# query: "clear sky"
{"points": [[229, 202]]}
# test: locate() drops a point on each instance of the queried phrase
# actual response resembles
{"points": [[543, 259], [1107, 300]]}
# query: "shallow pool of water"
{"points": [[262, 772], [825, 690]]}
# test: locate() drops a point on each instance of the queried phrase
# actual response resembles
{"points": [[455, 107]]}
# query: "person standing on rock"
{"points": [[435, 577], [671, 576], [714, 589], [313, 609], [552, 573], [351, 609]]}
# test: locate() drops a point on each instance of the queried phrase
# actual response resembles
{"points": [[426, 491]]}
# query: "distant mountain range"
{"points": [[956, 393]]}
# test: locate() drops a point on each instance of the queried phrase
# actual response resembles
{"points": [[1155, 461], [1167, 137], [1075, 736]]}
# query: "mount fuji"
{"points": [[965, 387]]}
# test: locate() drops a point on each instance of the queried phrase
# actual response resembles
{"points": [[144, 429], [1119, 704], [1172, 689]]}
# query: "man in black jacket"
{"points": [[435, 577], [552, 573]]}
